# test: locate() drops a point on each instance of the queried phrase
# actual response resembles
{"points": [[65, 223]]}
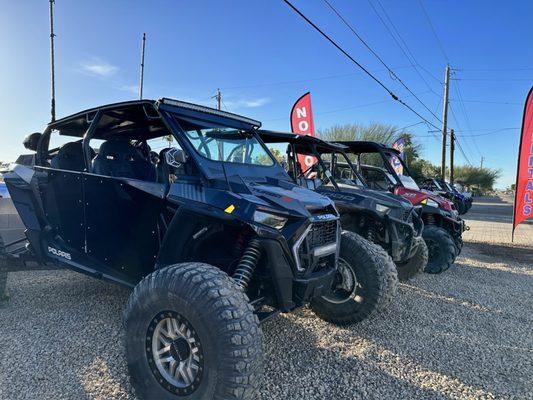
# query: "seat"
{"points": [[119, 158], [70, 157]]}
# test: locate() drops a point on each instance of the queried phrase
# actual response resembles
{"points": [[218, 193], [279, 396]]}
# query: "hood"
{"points": [[417, 196], [289, 197], [367, 198]]}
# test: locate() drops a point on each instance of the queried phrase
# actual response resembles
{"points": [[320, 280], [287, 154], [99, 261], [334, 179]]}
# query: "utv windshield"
{"points": [[229, 145], [398, 165]]}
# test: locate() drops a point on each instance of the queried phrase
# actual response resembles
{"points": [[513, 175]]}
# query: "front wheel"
{"points": [[365, 284], [192, 333], [416, 264], [441, 248]]}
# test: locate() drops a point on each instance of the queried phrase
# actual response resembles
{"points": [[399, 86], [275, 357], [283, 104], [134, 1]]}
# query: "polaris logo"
{"points": [[59, 253]]}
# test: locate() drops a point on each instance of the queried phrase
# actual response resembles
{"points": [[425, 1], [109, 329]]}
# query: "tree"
{"points": [[482, 179], [381, 133], [421, 169], [263, 159]]}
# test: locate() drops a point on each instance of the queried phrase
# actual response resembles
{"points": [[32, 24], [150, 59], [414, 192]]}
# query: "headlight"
{"points": [[431, 203], [274, 221], [382, 209]]}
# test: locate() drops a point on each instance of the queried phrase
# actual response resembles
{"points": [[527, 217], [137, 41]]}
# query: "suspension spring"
{"points": [[430, 219], [245, 269], [371, 234]]}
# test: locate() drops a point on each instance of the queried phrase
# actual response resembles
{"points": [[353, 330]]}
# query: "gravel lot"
{"points": [[467, 333]]}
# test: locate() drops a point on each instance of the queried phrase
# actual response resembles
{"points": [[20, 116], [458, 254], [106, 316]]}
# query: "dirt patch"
{"points": [[508, 252]]}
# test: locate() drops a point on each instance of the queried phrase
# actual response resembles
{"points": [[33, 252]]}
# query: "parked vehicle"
{"points": [[442, 188], [3, 190], [443, 227], [211, 233], [382, 218]]}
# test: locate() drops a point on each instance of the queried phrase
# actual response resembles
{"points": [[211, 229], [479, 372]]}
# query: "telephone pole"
{"points": [[142, 67], [52, 63], [445, 122], [452, 149], [218, 96], [482, 158]]}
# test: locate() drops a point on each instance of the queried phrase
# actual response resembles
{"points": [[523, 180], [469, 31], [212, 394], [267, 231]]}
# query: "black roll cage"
{"points": [[163, 110], [376, 148]]}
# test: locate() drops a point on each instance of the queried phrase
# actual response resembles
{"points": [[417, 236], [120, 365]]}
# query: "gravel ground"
{"points": [[464, 334]]}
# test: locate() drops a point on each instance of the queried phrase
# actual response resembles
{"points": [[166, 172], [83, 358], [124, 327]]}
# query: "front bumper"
{"points": [[291, 290], [402, 236]]}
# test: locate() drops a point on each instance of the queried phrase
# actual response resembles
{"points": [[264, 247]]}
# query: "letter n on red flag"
{"points": [[302, 123], [523, 204]]}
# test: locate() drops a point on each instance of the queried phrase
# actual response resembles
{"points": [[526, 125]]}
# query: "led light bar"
{"points": [[209, 110]]}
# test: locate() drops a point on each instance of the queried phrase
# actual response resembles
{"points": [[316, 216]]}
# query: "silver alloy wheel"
{"points": [[346, 286], [174, 353]]}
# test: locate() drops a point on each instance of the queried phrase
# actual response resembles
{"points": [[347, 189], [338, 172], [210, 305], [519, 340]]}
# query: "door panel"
{"points": [[62, 197], [122, 224]]}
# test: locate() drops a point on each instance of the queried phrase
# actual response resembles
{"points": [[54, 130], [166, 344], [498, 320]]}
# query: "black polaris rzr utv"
{"points": [[382, 218], [210, 232], [444, 189], [443, 228]]}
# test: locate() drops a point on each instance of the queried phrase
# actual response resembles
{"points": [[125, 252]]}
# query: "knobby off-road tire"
{"points": [[458, 241], [441, 247], [416, 264], [195, 313], [374, 285], [461, 207]]}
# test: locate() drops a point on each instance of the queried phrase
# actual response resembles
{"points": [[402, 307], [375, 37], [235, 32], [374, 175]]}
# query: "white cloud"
{"points": [[130, 88], [256, 102], [98, 67], [247, 103]]}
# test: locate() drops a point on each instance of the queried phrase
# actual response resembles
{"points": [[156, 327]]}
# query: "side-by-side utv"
{"points": [[444, 189], [211, 234], [382, 218], [443, 227]]}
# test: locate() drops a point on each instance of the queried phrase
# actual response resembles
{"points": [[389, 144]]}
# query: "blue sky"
{"points": [[263, 57]]}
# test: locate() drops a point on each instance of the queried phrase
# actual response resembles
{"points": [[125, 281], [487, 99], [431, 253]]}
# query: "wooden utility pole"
{"points": [[452, 149], [218, 96], [445, 122], [481, 165], [52, 63], [142, 67]]}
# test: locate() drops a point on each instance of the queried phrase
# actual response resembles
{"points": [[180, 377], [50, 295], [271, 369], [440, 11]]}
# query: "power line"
{"points": [[410, 57], [373, 77], [393, 74], [487, 102], [495, 79], [491, 132], [441, 47], [320, 78], [497, 69]]}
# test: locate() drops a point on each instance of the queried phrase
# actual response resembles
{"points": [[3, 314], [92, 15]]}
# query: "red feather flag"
{"points": [[523, 204], [302, 123]]}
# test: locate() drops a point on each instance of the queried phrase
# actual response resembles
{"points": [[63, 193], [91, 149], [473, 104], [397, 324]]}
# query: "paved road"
{"points": [[490, 220]]}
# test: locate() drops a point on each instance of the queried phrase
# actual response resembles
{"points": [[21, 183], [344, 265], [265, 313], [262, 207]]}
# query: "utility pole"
{"points": [[452, 149], [482, 158], [445, 122], [52, 63], [142, 67], [218, 96]]}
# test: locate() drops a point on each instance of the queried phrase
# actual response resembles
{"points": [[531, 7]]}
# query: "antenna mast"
{"points": [[52, 62], [142, 67]]}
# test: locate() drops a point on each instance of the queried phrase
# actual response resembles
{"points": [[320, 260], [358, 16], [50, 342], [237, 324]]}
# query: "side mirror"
{"points": [[32, 141]]}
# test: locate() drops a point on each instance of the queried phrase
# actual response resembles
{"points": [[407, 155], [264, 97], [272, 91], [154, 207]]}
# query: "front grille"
{"points": [[407, 217], [322, 233], [309, 249]]}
